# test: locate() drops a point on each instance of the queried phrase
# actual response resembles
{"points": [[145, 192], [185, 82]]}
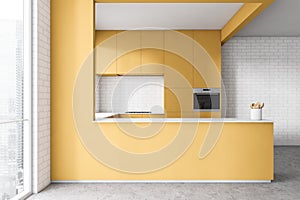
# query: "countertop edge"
{"points": [[177, 120]]}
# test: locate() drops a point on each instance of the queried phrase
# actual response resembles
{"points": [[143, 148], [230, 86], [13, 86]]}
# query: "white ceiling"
{"points": [[180, 16]]}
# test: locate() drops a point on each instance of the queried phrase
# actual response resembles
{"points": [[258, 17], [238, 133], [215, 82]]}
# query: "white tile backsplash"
{"points": [[264, 69], [119, 94]]}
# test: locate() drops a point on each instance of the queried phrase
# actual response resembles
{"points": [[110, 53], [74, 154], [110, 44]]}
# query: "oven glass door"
{"points": [[207, 102]]}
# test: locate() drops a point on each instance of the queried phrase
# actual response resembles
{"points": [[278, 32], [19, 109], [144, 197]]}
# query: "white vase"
{"points": [[256, 114]]}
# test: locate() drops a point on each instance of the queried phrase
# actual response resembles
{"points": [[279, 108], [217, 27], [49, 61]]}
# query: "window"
{"points": [[15, 98]]}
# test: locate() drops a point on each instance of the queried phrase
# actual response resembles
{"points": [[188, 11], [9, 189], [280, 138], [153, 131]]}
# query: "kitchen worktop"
{"points": [[176, 120], [129, 115]]}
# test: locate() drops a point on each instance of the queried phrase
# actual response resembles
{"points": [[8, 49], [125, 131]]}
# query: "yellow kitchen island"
{"points": [[112, 150], [175, 149]]}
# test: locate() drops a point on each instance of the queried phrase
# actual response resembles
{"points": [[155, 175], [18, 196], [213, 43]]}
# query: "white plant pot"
{"points": [[256, 114]]}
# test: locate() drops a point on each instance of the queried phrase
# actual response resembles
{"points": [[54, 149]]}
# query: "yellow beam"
{"points": [[245, 15]]}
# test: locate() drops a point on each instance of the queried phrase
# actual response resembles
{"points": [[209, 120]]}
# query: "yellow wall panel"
{"points": [[71, 43]]}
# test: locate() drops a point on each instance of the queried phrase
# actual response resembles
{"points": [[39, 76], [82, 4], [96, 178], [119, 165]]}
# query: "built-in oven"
{"points": [[206, 99]]}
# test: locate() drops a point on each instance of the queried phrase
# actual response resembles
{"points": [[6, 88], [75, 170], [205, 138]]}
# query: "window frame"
{"points": [[27, 115]]}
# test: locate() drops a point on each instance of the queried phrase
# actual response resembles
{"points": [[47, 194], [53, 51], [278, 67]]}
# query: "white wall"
{"points": [[41, 94], [119, 94], [265, 69]]}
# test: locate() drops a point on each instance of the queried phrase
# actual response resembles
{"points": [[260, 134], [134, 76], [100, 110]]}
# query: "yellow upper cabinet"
{"points": [[152, 61], [105, 52], [180, 43], [178, 59], [186, 58], [178, 72], [129, 63], [152, 39], [189, 33], [207, 59], [152, 43], [129, 52]]}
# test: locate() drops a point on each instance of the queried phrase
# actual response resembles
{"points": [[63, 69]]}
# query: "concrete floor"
{"points": [[286, 186]]}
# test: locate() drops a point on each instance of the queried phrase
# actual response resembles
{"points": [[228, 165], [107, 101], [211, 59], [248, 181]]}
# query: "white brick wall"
{"points": [[41, 94], [265, 69], [119, 94]]}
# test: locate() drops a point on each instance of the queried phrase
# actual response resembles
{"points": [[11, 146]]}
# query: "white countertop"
{"points": [[100, 116], [176, 120]]}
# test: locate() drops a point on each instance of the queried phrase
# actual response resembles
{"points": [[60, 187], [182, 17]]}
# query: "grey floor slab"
{"points": [[286, 186]]}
